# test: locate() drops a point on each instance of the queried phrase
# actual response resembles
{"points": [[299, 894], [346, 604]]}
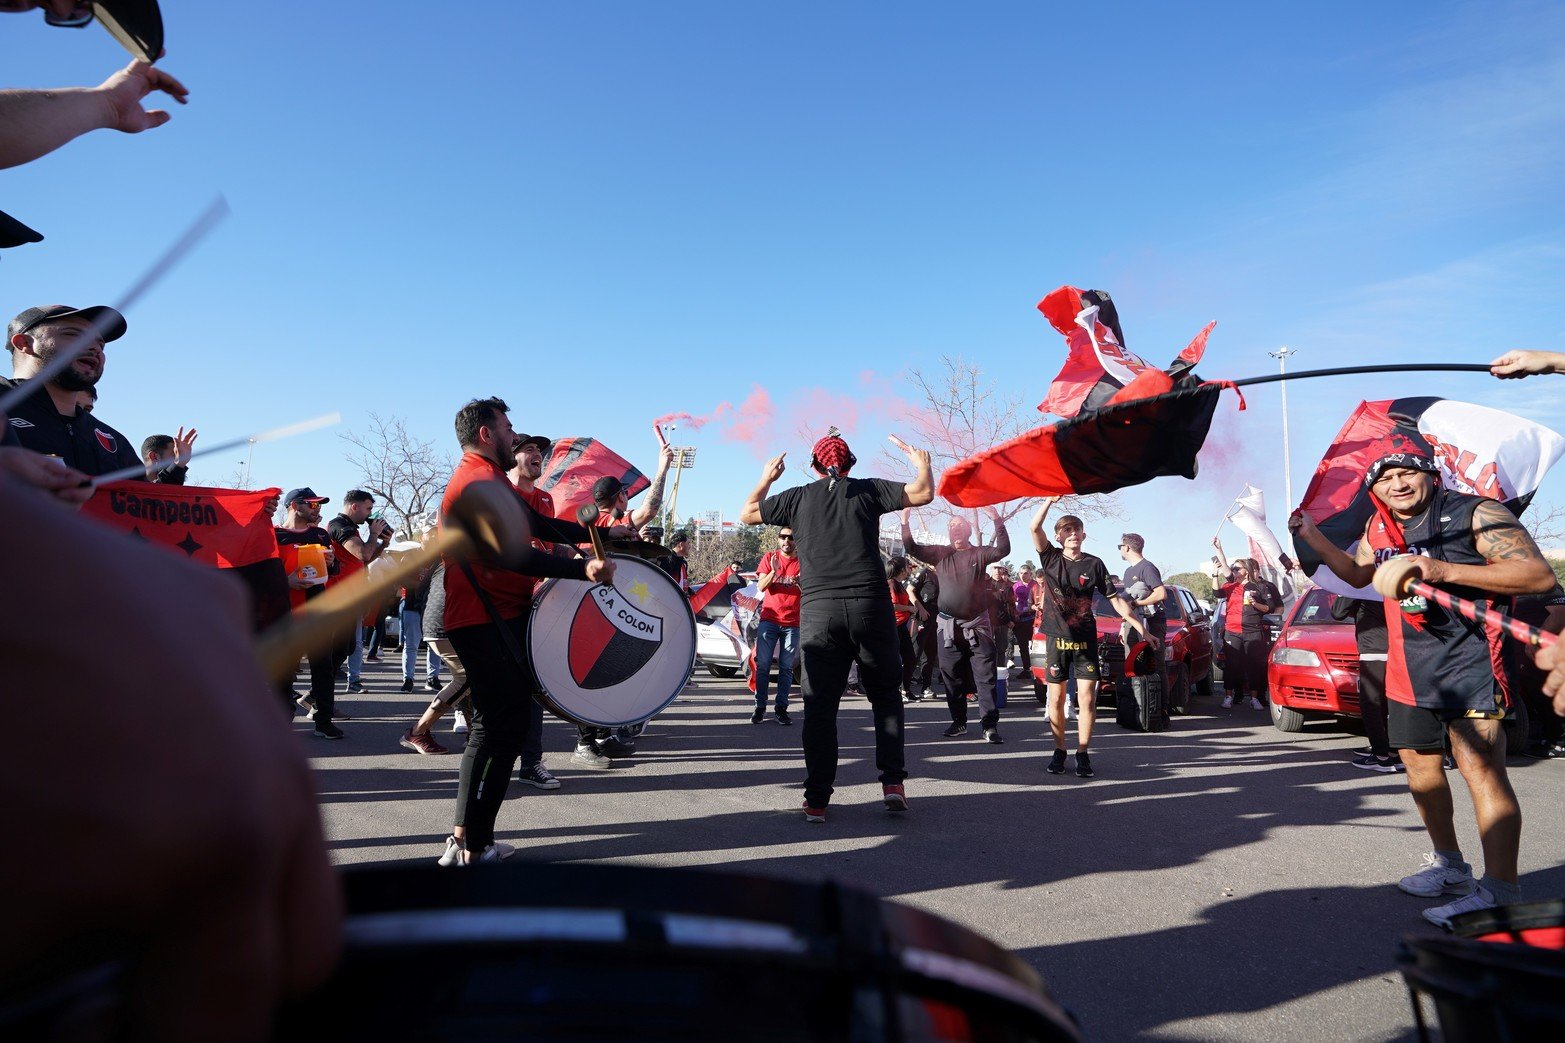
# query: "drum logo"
{"points": [[612, 636]]}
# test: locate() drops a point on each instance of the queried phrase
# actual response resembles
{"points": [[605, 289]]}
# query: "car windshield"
{"points": [[1314, 609]]}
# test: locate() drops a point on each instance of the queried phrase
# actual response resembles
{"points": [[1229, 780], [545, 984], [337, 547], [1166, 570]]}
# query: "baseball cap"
{"points": [[606, 488], [540, 441], [304, 493], [112, 322], [14, 233]]}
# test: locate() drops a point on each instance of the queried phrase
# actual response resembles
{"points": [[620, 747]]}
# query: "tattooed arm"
{"points": [[1514, 563], [654, 502]]}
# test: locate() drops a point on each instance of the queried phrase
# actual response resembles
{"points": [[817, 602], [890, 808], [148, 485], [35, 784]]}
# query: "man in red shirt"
{"points": [[486, 616], [777, 577]]}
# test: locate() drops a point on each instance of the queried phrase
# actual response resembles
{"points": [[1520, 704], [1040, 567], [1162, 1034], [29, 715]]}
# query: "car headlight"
{"points": [[1168, 651], [1284, 656]]}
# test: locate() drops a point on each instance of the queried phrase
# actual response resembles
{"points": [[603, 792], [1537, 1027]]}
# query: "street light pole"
{"points": [[1281, 355]]}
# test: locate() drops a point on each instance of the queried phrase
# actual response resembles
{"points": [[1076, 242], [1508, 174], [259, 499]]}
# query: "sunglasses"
{"points": [[785, 536], [80, 16]]}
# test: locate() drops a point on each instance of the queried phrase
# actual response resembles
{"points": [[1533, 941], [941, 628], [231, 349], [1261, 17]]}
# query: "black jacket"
{"points": [[82, 441]]}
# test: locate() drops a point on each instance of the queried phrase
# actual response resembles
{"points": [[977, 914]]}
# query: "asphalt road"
{"points": [[1219, 881]]}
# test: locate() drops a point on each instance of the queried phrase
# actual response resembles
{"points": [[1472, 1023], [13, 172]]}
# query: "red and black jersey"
{"points": [[1439, 659]]}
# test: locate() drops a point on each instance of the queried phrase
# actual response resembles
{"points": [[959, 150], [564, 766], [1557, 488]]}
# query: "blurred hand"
{"points": [[64, 484], [183, 443], [123, 93], [1516, 364], [600, 571]]}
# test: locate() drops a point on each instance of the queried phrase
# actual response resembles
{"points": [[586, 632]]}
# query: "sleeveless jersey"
{"points": [[1437, 659]]}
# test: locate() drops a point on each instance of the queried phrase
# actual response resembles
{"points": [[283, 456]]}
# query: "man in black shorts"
{"points": [[1441, 676], [845, 613], [1068, 577]]}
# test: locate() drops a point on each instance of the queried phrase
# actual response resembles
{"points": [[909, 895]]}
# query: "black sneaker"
{"points": [[614, 746], [407, 684], [538, 777], [433, 684], [758, 716], [1056, 765], [992, 736], [1385, 765], [1083, 765], [328, 731], [955, 730], [356, 687], [783, 718], [1447, 762]]}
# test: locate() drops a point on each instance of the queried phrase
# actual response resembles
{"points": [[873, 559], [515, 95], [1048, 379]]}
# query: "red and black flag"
{"points": [[574, 464], [1482, 451], [1097, 363], [1149, 428], [227, 528]]}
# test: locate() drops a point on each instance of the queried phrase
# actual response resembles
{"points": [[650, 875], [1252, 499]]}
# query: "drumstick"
{"points": [[198, 230], [287, 431], [1395, 580], [485, 521], [588, 515]]}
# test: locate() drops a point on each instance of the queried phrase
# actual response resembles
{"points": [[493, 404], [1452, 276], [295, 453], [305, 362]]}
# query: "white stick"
{"points": [[198, 230], [286, 431]]}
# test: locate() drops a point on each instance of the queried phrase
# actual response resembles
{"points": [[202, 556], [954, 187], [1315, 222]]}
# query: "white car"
{"points": [[722, 653]]}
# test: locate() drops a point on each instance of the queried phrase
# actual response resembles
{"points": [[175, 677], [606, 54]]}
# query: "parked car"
{"points": [[1313, 669], [1187, 651]]}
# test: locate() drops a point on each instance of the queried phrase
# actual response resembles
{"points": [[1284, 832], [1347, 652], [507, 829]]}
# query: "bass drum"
{"points": [[612, 656], [597, 952]]}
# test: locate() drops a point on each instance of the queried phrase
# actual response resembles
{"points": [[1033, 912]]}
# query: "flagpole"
{"points": [[1347, 371]]}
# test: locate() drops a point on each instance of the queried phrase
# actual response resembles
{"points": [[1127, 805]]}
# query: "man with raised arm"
{"points": [[845, 613]]}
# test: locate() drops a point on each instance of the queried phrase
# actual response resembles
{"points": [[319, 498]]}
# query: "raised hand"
{"points": [[774, 468], [123, 93], [184, 442]]}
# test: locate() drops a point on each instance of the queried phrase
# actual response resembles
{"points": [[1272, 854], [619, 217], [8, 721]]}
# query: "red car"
{"points": [[1314, 666], [1188, 651]]}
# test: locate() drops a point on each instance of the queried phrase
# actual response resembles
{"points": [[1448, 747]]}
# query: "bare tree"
{"points": [[957, 412], [404, 473]]}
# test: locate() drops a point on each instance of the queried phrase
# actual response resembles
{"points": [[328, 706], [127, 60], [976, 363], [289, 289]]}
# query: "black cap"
{"points": [[14, 233], [540, 441], [136, 24], [112, 322], [305, 493], [605, 489]]}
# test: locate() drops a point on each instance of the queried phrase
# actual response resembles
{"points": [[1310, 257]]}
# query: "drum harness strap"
{"points": [[494, 614]]}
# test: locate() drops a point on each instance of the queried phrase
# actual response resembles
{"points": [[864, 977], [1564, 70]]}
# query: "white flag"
{"points": [[1249, 517]]}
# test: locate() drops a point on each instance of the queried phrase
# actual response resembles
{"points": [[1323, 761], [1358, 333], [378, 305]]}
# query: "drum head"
{"points": [[612, 656]]}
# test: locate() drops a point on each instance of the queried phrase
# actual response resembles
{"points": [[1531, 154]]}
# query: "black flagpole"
{"points": [[1344, 371]]}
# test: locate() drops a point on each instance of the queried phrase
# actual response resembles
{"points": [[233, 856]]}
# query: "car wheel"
{"points": [[1179, 689], [722, 671], [1285, 719]]}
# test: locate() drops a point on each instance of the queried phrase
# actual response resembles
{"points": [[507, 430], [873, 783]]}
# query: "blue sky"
{"points": [[608, 212]]}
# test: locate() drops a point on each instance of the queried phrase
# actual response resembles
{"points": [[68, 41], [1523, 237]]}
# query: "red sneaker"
{"points": [[421, 743], [814, 814], [895, 798]]}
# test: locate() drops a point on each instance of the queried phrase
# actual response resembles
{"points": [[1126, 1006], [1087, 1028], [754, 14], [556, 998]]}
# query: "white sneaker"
{"points": [[455, 848], [1438, 877], [1256, 704], [1441, 915], [460, 724], [1228, 702], [587, 757], [1070, 711]]}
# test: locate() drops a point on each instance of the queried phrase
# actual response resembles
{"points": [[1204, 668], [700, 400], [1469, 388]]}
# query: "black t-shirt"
{"points": [[1145, 572], [343, 529], [1068, 587], [964, 584], [838, 529]]}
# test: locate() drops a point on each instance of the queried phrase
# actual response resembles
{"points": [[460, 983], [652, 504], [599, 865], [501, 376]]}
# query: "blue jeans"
{"points": [[766, 639], [356, 656]]}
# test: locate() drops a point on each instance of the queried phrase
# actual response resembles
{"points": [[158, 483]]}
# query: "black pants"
{"points": [[503, 709], [927, 642], [909, 661], [970, 654], [1244, 667], [1372, 704], [1022, 630], [833, 635]]}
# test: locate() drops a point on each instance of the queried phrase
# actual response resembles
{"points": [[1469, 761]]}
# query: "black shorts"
{"points": [[1422, 728], [1062, 655]]}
